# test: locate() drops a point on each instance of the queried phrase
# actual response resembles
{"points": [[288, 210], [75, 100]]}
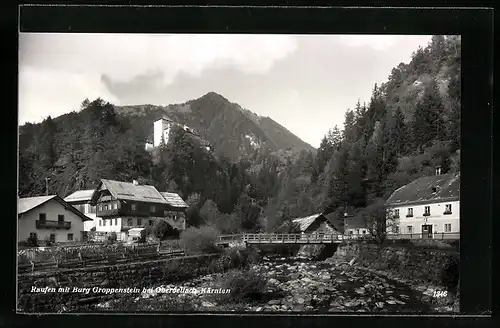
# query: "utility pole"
{"points": [[47, 186]]}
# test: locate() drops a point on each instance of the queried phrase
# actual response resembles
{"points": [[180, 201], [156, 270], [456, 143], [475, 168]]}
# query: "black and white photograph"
{"points": [[246, 173]]}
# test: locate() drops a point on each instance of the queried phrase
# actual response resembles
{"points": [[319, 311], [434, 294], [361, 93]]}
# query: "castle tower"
{"points": [[161, 131]]}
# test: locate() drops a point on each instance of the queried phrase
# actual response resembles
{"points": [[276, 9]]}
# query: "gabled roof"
{"points": [[304, 223], [336, 223], [27, 204], [436, 188], [80, 195], [173, 199], [129, 191]]}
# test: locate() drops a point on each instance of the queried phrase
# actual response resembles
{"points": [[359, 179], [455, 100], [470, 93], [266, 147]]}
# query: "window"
{"points": [[53, 237], [396, 213], [409, 229], [92, 209], [100, 223], [130, 222], [139, 222], [427, 210], [152, 209], [115, 206], [410, 213], [42, 216], [116, 222], [150, 222], [447, 227], [111, 222], [33, 235], [447, 209], [104, 222], [174, 217], [364, 232], [106, 207], [70, 236], [60, 218], [133, 207], [100, 207]]}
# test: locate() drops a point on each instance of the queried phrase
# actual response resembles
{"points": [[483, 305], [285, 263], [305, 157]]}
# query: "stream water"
{"points": [[294, 284]]}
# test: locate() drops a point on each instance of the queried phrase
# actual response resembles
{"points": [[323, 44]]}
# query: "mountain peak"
{"points": [[214, 95]]}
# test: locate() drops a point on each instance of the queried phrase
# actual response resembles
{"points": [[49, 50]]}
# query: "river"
{"points": [[293, 284]]}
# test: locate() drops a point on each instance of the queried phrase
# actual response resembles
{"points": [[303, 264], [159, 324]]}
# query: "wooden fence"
{"points": [[67, 253], [121, 257]]}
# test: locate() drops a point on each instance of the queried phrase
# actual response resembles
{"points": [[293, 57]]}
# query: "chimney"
{"points": [[135, 182], [438, 170]]}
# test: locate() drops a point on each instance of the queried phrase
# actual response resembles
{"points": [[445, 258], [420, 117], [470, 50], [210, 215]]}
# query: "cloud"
{"points": [[376, 42], [44, 92], [124, 56], [60, 70]]}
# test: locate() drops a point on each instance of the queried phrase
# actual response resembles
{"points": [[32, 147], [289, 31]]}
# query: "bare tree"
{"points": [[378, 219]]}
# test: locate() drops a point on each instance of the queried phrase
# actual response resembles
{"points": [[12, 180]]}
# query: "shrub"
{"points": [[244, 286], [162, 230], [113, 237], [32, 241], [200, 240], [240, 258]]}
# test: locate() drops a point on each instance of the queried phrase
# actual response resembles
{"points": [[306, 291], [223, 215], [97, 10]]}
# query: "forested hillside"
{"points": [[410, 125]]}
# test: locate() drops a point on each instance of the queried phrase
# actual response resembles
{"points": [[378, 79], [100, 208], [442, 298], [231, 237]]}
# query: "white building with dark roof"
{"points": [[121, 206], [81, 201], [49, 217], [427, 206]]}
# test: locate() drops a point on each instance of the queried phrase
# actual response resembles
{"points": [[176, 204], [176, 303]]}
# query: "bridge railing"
{"points": [[289, 238], [230, 237]]}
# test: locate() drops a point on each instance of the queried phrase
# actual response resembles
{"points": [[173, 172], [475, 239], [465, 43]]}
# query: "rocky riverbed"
{"points": [[295, 284]]}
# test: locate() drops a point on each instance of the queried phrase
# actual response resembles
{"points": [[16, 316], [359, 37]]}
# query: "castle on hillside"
{"points": [[161, 133]]}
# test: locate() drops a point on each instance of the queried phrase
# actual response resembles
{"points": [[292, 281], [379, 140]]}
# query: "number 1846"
{"points": [[440, 293]]}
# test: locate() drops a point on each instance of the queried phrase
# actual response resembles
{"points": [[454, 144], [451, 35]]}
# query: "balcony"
{"points": [[108, 213], [53, 224]]}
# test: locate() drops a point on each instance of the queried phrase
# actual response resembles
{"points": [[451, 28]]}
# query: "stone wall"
{"points": [[133, 275], [426, 265]]}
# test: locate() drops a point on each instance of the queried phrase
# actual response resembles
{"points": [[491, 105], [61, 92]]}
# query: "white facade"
{"points": [[412, 218], [161, 131], [52, 210], [117, 224], [89, 211]]}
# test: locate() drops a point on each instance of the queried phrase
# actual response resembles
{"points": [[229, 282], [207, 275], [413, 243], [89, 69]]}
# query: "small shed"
{"points": [[316, 223], [137, 235]]}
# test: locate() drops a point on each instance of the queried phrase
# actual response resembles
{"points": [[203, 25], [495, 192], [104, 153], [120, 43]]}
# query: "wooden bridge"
{"points": [[295, 238], [319, 238]]}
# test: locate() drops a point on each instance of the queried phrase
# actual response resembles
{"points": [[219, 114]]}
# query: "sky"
{"points": [[304, 82]]}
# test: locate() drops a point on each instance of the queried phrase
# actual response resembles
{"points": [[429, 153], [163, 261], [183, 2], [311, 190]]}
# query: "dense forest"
{"points": [[410, 125]]}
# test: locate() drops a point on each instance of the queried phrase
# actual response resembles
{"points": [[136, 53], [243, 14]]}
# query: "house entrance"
{"points": [[427, 231]]}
